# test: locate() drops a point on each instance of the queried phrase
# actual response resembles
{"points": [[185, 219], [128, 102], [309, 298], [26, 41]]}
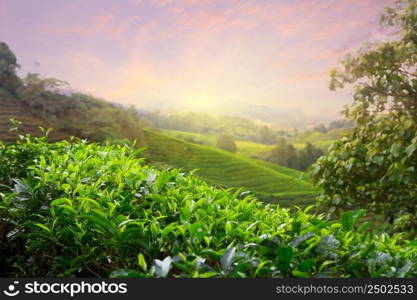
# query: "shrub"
{"points": [[79, 209], [373, 167], [227, 142]]}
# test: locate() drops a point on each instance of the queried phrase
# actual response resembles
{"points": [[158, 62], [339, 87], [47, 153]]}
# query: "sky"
{"points": [[193, 54]]}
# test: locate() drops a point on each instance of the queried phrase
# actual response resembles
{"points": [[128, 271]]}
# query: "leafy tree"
{"points": [[227, 142], [321, 128], [375, 166], [308, 156], [39, 93], [281, 141], [337, 124], [285, 154], [8, 66]]}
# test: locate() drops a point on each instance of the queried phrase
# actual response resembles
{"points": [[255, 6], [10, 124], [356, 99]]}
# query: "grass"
{"points": [[230, 170]]}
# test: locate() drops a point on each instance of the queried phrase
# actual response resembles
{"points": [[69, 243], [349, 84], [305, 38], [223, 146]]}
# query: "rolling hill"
{"points": [[269, 181], [246, 148]]}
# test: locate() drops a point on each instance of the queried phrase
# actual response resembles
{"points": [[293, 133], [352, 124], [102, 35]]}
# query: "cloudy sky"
{"points": [[193, 53]]}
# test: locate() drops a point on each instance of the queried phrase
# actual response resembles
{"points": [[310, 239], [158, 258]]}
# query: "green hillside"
{"points": [[251, 148], [246, 148], [13, 109], [225, 169], [193, 137], [270, 182]]}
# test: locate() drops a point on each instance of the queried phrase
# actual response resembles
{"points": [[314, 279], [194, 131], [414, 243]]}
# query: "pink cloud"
{"points": [[203, 20], [225, 49], [349, 46], [106, 24], [124, 25], [101, 21], [306, 76]]}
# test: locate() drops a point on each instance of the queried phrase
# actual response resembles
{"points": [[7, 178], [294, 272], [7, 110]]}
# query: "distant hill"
{"points": [[320, 140]]}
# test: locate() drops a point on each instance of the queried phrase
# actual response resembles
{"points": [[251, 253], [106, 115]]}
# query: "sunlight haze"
{"points": [[204, 55]]}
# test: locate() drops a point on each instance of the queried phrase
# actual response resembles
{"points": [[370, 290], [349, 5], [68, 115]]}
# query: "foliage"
{"points": [[341, 124], [375, 165], [321, 128], [38, 93], [309, 155], [44, 101], [225, 169], [286, 154], [384, 73], [320, 140], [227, 142], [237, 127], [337, 124], [8, 66], [79, 209]]}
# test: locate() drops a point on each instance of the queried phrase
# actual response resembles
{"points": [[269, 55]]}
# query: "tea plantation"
{"points": [[81, 209], [270, 181]]}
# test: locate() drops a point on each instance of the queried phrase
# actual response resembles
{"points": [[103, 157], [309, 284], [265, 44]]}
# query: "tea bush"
{"points": [[78, 209]]}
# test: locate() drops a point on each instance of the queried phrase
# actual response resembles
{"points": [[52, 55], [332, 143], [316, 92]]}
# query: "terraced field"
{"points": [[229, 170], [12, 109], [251, 148], [192, 137], [246, 148]]}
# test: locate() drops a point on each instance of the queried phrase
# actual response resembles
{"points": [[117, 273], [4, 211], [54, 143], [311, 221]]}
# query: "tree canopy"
{"points": [[375, 166], [384, 72], [8, 66], [227, 142]]}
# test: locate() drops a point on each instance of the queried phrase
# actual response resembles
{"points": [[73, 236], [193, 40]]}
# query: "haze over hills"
{"points": [[279, 118]]}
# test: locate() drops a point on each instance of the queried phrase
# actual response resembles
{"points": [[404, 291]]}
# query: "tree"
{"points": [[37, 91], [284, 154], [321, 128], [8, 66], [227, 142], [308, 156], [341, 124], [281, 141], [375, 165]]}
